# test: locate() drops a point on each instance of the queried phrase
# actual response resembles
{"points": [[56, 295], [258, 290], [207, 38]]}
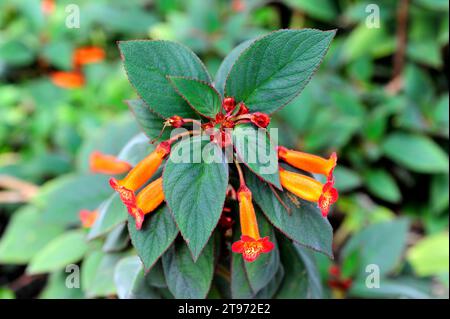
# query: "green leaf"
{"points": [[274, 69], [6, 293], [383, 185], [148, 63], [185, 278], [57, 288], [438, 193], [111, 213], [346, 179], [130, 280], [430, 255], [371, 248], [155, 277], [388, 289], [136, 149], [98, 274], [62, 198], [321, 9], [25, 236], [150, 123], [227, 64], [302, 279], [256, 149], [263, 269], [240, 287], [416, 152], [305, 224], [201, 96], [195, 189], [108, 139], [116, 240], [157, 234], [60, 252]]}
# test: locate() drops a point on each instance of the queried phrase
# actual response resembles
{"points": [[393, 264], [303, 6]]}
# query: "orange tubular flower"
{"points": [[67, 80], [250, 245], [308, 162], [86, 55], [146, 201], [48, 6], [107, 164], [140, 174], [309, 189], [88, 218]]}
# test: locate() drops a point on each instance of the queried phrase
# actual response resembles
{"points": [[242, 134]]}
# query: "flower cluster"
{"points": [[141, 195]]}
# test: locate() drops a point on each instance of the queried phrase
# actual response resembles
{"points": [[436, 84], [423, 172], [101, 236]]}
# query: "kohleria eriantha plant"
{"points": [[219, 158]]}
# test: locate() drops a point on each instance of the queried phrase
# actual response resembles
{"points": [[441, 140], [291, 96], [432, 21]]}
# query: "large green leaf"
{"points": [[130, 280], [256, 149], [62, 199], [157, 234], [185, 278], [111, 213], [108, 139], [195, 179], [302, 279], [430, 255], [370, 246], [150, 123], [304, 224], [263, 269], [201, 96], [97, 274], [383, 185], [60, 252], [25, 236], [416, 152], [274, 69], [240, 287], [117, 239], [148, 63], [227, 64], [388, 289], [56, 287]]}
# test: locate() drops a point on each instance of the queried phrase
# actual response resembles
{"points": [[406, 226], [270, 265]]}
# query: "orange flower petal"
{"points": [[107, 164], [301, 185], [148, 199], [145, 169], [86, 55], [309, 162], [249, 224], [67, 80], [251, 248], [126, 195], [328, 197], [47, 6], [88, 218]]}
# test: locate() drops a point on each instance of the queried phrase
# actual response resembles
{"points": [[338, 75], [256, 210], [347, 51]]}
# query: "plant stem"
{"points": [[176, 137], [240, 173]]}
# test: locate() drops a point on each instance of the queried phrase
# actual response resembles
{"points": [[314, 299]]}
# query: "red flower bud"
{"points": [[243, 109], [175, 121], [228, 104], [219, 117], [260, 119]]}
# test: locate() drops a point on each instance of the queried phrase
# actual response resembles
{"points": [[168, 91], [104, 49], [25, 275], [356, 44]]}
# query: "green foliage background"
{"points": [[380, 101]]}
